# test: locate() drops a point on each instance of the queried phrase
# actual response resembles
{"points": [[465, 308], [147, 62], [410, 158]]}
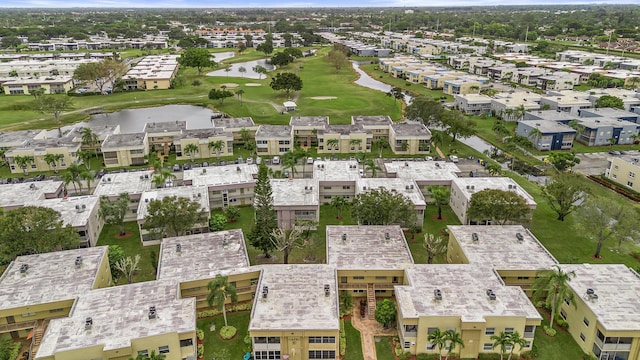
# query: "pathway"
{"points": [[369, 329]]}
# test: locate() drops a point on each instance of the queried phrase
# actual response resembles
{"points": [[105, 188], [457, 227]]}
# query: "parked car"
{"points": [[309, 160], [249, 161], [428, 158], [275, 160], [176, 167], [205, 163], [615, 152], [453, 158], [286, 173], [186, 167]]}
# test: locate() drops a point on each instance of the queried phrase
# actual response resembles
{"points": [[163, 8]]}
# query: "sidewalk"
{"points": [[368, 330]]}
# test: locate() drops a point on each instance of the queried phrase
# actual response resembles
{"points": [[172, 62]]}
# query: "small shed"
{"points": [[289, 106]]}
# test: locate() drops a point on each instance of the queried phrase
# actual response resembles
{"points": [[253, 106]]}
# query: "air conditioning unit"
{"points": [[24, 268], [327, 290], [519, 237], [146, 176], [474, 237], [152, 312], [490, 294], [387, 236], [88, 323], [265, 291], [225, 241], [78, 261], [344, 237], [178, 248], [141, 177], [238, 168], [437, 294]]}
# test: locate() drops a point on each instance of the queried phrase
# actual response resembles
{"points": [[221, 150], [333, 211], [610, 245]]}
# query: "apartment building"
{"points": [[230, 185], [121, 150], [273, 139], [550, 115], [101, 132], [79, 212], [205, 141], [161, 135], [462, 85], [379, 125], [133, 183], [473, 104], [598, 131], [502, 103], [336, 178], [36, 151], [343, 139], [305, 129], [13, 196], [152, 73], [295, 200], [199, 194], [570, 104], [462, 189], [424, 173], [410, 138], [50, 85], [405, 187], [630, 98], [623, 170], [548, 135], [11, 139], [611, 113], [236, 126]]}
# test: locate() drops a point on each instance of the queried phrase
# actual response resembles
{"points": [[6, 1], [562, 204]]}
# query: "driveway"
{"points": [[592, 163]]}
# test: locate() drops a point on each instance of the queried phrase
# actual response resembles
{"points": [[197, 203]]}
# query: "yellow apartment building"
{"points": [[336, 178], [407, 188], [461, 86], [274, 139], [228, 185], [623, 170], [236, 126], [409, 139], [295, 200], [424, 173], [134, 183], [37, 149], [204, 140], [306, 128], [121, 150], [16, 195], [50, 85], [160, 135], [379, 125], [152, 73], [344, 139], [101, 133]]}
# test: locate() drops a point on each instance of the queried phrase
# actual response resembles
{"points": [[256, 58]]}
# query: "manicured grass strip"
{"points": [[354, 343], [215, 347], [560, 347], [384, 348]]}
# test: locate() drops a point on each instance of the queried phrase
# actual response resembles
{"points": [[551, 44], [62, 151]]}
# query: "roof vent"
{"points": [[24, 268], [78, 261], [490, 294], [152, 312], [406, 163], [237, 168], [474, 237], [225, 241], [387, 236], [141, 177], [265, 291], [32, 186], [437, 165], [146, 176], [326, 290], [178, 248], [437, 294], [88, 323], [519, 237], [591, 294], [344, 237]]}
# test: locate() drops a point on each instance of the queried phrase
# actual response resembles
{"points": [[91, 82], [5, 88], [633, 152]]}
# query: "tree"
{"points": [[516, 339], [242, 70], [385, 313], [493, 169], [116, 253], [52, 160], [289, 161], [383, 207], [113, 212], [85, 158], [458, 125], [281, 59], [396, 94], [266, 47], [604, 219], [498, 206], [89, 138], [215, 94], [23, 162], [265, 215], [333, 144], [100, 73], [370, 165], [453, 340], [11, 42], [425, 109], [337, 59], [434, 245], [54, 105], [609, 101], [437, 339], [239, 94], [160, 177], [502, 341], [152, 356], [287, 82], [217, 222], [440, 195], [562, 161], [216, 146], [552, 287], [191, 150], [534, 135], [287, 240], [198, 58], [128, 267], [232, 213], [261, 70], [220, 290], [340, 204], [564, 193], [249, 40], [173, 216], [381, 144], [34, 230]]}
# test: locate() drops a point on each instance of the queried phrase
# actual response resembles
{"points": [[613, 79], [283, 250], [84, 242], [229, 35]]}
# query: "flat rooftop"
{"points": [[194, 193], [344, 129], [273, 131], [241, 122], [423, 170], [498, 247], [101, 131], [114, 184], [309, 121], [464, 294], [17, 138], [413, 130], [475, 98], [222, 175], [551, 115], [376, 120], [74, 210], [202, 133], [617, 287], [167, 126], [469, 186], [50, 277], [202, 256], [406, 187], [366, 247], [336, 170], [18, 194], [296, 299], [294, 192], [119, 314], [596, 122], [124, 140], [547, 127], [612, 113]]}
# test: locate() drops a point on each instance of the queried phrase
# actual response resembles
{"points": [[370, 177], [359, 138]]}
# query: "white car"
{"points": [[453, 158], [309, 160], [249, 161], [275, 160]]}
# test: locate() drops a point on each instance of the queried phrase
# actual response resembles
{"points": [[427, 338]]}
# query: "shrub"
{"points": [[405, 355], [343, 339], [398, 349], [427, 356], [232, 212], [228, 332], [407, 84], [217, 222], [200, 350], [549, 331], [215, 312], [488, 356], [196, 83], [200, 334]]}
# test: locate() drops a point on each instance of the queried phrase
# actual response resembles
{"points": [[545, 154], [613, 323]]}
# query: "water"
{"points": [[218, 57], [367, 81], [248, 65]]}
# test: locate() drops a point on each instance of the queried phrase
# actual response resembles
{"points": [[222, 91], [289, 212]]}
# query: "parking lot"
{"points": [[592, 163]]}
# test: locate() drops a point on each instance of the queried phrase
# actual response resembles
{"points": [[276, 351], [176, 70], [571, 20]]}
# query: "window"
{"points": [[186, 342], [144, 353], [489, 331], [585, 321], [411, 328], [322, 339], [322, 354], [358, 278], [326, 187], [528, 344], [346, 187], [163, 349], [523, 278], [381, 278], [566, 300], [508, 330], [487, 346], [273, 340], [629, 184], [563, 314], [267, 355], [582, 337], [600, 335], [632, 174], [28, 314], [56, 310]]}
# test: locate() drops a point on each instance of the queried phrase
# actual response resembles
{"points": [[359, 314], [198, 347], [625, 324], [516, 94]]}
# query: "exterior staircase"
{"points": [[371, 301], [38, 333]]}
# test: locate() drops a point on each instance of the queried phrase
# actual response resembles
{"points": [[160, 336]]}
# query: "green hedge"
{"points": [[230, 309], [488, 356], [343, 339], [200, 334]]}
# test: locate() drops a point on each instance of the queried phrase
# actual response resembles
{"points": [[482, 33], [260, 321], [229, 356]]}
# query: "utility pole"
{"points": [[609, 42], [526, 35]]}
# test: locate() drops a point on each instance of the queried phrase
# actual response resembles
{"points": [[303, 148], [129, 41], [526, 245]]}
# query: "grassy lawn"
{"points": [[432, 226], [215, 347], [132, 245], [560, 347], [384, 348], [417, 89], [354, 342]]}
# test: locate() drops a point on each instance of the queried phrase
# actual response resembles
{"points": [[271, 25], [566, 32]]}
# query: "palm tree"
{"points": [[516, 339], [355, 143], [85, 157], [73, 175], [219, 291], [579, 128], [333, 144], [519, 112], [191, 150], [370, 165], [216, 146], [90, 139], [242, 70], [437, 338], [52, 160], [534, 135], [502, 340], [239, 93], [289, 161], [152, 356], [161, 176], [382, 143], [612, 141], [23, 162], [493, 169], [88, 177], [245, 135], [551, 285], [437, 138], [440, 195], [339, 203], [453, 340], [67, 178]]}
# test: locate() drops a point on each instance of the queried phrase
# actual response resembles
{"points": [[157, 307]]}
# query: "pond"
{"points": [[234, 70], [367, 81]]}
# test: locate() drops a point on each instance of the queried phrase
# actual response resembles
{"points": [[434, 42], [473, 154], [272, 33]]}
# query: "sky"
{"points": [[286, 3]]}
